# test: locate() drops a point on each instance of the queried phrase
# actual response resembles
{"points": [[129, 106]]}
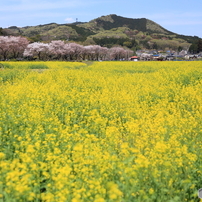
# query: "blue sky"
{"points": [[182, 16]]}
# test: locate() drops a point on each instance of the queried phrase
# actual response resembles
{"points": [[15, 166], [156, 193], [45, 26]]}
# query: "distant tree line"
{"points": [[111, 41], [17, 47]]}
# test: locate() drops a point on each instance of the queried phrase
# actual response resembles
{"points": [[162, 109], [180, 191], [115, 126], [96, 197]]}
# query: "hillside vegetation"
{"points": [[107, 31]]}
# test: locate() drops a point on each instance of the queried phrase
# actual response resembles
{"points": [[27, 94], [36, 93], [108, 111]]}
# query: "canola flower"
{"points": [[108, 132]]}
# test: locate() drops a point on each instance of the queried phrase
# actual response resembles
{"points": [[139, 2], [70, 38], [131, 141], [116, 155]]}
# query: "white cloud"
{"points": [[69, 20]]}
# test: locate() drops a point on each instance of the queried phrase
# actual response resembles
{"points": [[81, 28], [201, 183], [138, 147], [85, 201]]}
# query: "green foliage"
{"points": [[155, 46], [109, 42], [10, 75], [35, 38], [1, 66], [1, 31], [180, 48], [154, 27], [60, 33], [199, 45], [193, 48], [7, 65], [128, 44], [114, 21], [37, 66], [196, 47], [82, 32]]}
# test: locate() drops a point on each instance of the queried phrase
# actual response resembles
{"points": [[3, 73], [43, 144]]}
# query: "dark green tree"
{"points": [[128, 44], [1, 31], [180, 48], [155, 46], [199, 44], [196, 47], [193, 48]]}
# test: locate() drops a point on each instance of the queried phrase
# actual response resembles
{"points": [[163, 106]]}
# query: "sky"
{"points": [[179, 16]]}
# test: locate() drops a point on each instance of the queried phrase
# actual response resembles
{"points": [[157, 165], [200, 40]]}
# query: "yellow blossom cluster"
{"points": [[105, 132]]}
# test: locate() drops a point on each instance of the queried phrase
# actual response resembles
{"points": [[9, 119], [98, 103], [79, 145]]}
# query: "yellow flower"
{"points": [[30, 149], [69, 130], [99, 200], [78, 147], [75, 200], [113, 196], [2, 155], [151, 191]]}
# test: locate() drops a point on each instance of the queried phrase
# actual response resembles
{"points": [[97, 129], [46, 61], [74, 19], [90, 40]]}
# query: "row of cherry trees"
{"points": [[12, 47]]}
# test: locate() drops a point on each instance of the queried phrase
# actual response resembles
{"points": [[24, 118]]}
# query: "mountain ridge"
{"points": [[113, 20]]}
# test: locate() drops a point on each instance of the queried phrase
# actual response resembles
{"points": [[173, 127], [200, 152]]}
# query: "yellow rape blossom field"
{"points": [[104, 132]]}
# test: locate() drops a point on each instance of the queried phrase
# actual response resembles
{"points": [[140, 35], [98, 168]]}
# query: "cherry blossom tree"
{"points": [[120, 53], [89, 52], [73, 51], [117, 53], [4, 47], [95, 52], [12, 46], [103, 53], [57, 49], [67, 52], [18, 45], [38, 50]]}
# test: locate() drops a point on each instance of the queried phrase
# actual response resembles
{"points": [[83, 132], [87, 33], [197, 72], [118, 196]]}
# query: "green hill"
{"points": [[113, 21], [107, 31]]}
